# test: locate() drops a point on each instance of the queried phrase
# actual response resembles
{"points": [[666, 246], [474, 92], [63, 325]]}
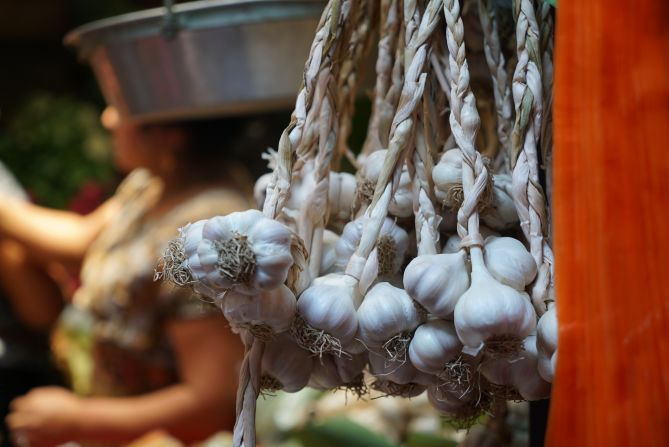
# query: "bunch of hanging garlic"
{"points": [[385, 279]]}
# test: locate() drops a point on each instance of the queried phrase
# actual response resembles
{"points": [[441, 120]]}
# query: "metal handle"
{"points": [[170, 26]]}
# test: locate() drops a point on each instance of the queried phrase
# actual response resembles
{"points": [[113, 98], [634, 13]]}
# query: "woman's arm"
{"points": [[208, 354], [53, 234], [34, 296]]}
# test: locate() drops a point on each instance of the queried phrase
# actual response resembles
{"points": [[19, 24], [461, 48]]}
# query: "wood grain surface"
{"points": [[611, 224]]}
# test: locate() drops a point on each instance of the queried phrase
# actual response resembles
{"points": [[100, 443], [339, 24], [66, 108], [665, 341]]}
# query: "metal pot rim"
{"points": [[191, 15]]}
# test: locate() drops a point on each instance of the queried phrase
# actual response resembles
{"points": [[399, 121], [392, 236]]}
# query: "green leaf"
{"points": [[428, 440], [552, 2], [340, 431]]}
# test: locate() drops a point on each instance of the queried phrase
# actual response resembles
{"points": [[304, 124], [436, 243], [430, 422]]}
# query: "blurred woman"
{"points": [[162, 359]]}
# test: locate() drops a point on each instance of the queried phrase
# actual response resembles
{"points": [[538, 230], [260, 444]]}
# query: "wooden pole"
{"points": [[611, 224]]}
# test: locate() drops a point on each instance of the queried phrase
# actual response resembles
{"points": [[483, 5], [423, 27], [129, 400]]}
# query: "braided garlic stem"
{"points": [[464, 120], [501, 86], [278, 188], [527, 191], [389, 29], [353, 63]]}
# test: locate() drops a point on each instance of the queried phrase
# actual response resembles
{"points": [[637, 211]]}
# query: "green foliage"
{"points": [[340, 431], [54, 145]]}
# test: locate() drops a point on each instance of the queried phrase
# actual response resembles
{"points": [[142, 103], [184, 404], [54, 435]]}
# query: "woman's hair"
{"points": [[212, 142]]}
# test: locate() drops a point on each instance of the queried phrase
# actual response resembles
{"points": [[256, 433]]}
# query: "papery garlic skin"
{"points": [[385, 312], [272, 310], [401, 204], [434, 344], [330, 303], [509, 262], [489, 310], [264, 243], [392, 245], [287, 363], [547, 343], [436, 282], [501, 214]]}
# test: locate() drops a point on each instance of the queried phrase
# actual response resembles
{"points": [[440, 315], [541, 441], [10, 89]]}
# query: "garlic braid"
{"points": [[389, 29], [353, 64], [417, 32], [501, 87], [464, 120], [427, 220], [277, 194], [527, 191], [278, 188]]}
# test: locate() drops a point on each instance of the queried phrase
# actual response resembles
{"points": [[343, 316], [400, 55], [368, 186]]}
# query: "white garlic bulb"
{"points": [[447, 178], [244, 251], [285, 366], [509, 262], [390, 249], [388, 314], [328, 310], [519, 372], [501, 214], [434, 344], [333, 372], [492, 315], [436, 282], [547, 343], [444, 401], [267, 313], [341, 195], [329, 256], [401, 204], [398, 378]]}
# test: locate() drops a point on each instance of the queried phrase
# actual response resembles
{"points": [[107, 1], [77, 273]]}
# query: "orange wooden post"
{"points": [[611, 224]]}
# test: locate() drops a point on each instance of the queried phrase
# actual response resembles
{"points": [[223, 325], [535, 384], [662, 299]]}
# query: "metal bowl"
{"points": [[202, 58]]}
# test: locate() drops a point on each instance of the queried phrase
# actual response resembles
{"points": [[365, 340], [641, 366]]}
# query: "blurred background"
{"points": [[50, 102]]}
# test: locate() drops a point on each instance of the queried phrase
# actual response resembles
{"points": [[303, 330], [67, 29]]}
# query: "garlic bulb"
{"points": [[492, 315], [329, 256], [433, 345], [341, 195], [547, 342], [268, 313], [436, 282], [333, 372], [501, 214], [285, 366], [398, 378], [509, 262], [447, 178], [520, 372], [390, 250], [386, 318], [244, 251], [327, 310], [444, 401], [401, 205], [452, 244]]}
